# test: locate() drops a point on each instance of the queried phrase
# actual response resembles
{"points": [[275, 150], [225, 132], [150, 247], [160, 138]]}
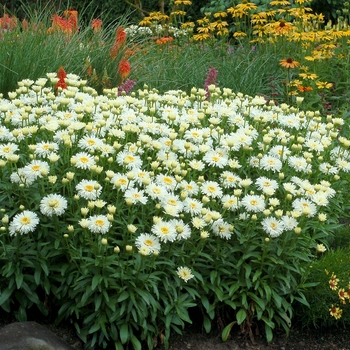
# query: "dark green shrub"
{"points": [[331, 9]]}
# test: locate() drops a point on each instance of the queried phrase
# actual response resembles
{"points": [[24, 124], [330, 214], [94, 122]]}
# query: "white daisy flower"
{"points": [[343, 164], [270, 163], [156, 191], [222, 229], [190, 187], [89, 189], [211, 189], [184, 273], [216, 158], [129, 160], [198, 222], [24, 222], [53, 204], [8, 149], [183, 230], [195, 135], [328, 168], [305, 206], [142, 177], [35, 169], [230, 179], [314, 145], [146, 240], [45, 149], [289, 222], [230, 202], [135, 195], [196, 164], [320, 198], [165, 231], [167, 181], [290, 188], [20, 177], [263, 182], [121, 181], [5, 134], [98, 224], [299, 164], [172, 200], [273, 226], [83, 160], [192, 206], [279, 151], [253, 203], [90, 143]]}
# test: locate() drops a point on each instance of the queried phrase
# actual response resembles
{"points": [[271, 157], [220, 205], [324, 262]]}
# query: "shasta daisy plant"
{"points": [[228, 195]]}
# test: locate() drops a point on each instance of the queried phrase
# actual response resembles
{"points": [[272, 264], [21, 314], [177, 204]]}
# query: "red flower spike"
{"points": [[61, 74], [124, 69]]}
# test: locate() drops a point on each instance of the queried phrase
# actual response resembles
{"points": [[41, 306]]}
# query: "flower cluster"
{"points": [[174, 166], [343, 294]]}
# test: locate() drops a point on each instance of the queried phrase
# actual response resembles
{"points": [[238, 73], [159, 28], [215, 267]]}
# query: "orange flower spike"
{"points": [[289, 63], [165, 40], [25, 24], [96, 25], [61, 84], [120, 35], [124, 69], [72, 18], [61, 74]]}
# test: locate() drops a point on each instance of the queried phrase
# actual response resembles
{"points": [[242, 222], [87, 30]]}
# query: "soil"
{"points": [[193, 338]]}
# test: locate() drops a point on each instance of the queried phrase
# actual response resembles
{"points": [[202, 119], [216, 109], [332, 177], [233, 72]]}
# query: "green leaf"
{"points": [[95, 281], [135, 343], [94, 328], [5, 295], [241, 316], [258, 301], [268, 292], [268, 322], [205, 302], [268, 332], [22, 314], [124, 333], [183, 314], [248, 270], [226, 331], [231, 303], [213, 276], [256, 275], [277, 299], [233, 289], [98, 301], [207, 324], [19, 280], [37, 274], [123, 296], [244, 300]]}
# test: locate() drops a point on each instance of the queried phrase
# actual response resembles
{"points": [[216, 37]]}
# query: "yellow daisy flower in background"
{"points": [[323, 85], [310, 76], [289, 63], [279, 3]]}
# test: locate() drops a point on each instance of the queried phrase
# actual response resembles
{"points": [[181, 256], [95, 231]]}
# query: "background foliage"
{"points": [[112, 9]]}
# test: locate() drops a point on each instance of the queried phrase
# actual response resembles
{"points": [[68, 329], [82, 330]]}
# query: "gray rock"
{"points": [[30, 336]]}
